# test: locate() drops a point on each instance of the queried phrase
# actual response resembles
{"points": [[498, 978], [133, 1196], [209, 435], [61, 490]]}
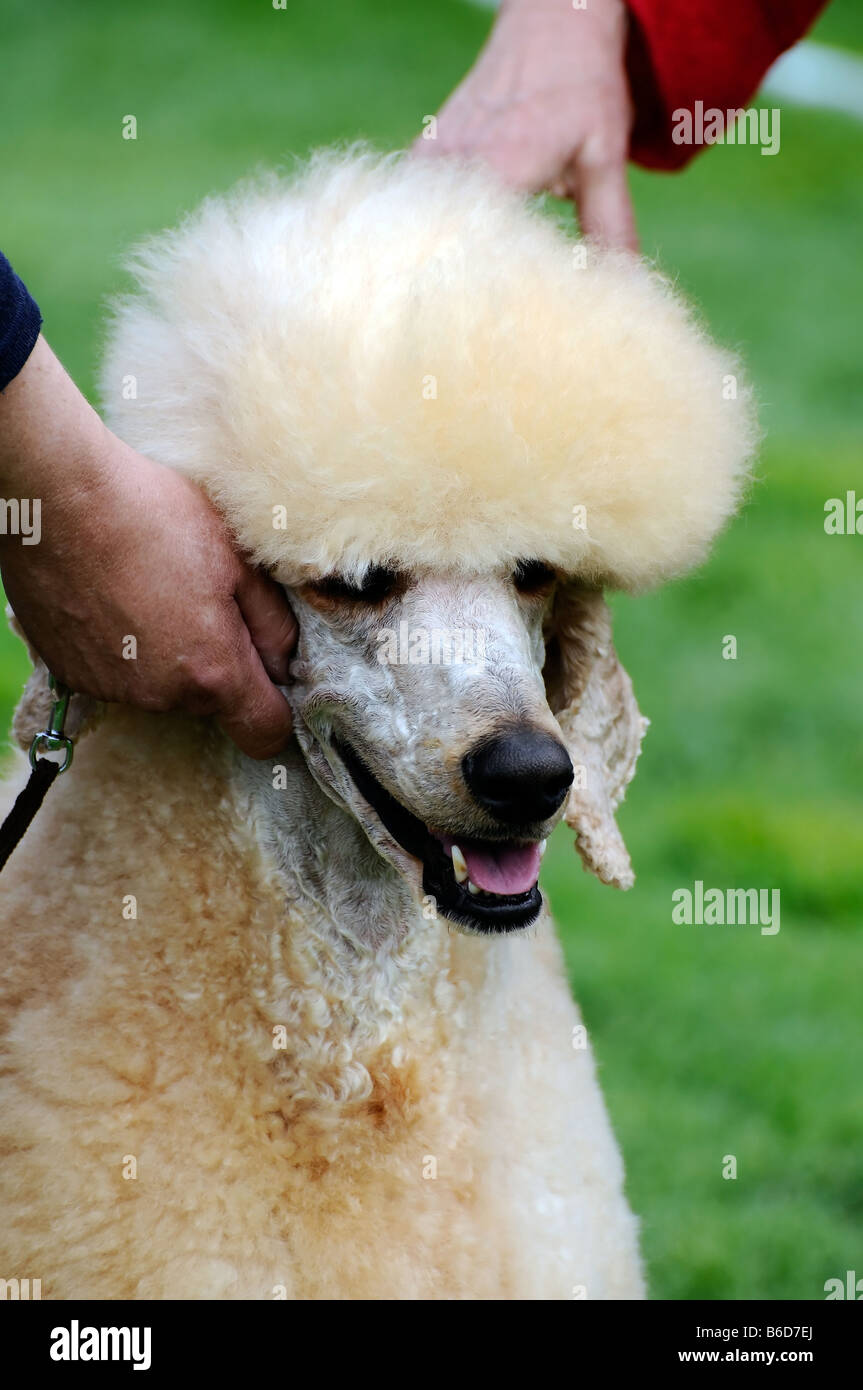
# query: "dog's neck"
{"points": [[330, 870], [354, 962]]}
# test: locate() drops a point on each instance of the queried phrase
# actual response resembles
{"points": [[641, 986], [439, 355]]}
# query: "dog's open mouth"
{"points": [[487, 885]]}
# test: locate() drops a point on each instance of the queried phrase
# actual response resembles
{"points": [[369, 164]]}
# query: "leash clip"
{"points": [[52, 739]]}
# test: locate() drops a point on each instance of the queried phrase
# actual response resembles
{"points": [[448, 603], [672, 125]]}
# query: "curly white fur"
{"points": [[394, 352], [281, 1074]]}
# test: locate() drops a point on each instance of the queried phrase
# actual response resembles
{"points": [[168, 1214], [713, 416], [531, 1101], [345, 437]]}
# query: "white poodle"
{"points": [[247, 1053]]}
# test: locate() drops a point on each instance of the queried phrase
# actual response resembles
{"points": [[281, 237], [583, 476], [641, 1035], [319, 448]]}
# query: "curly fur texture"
{"points": [[427, 1131], [411, 361], [240, 1057]]}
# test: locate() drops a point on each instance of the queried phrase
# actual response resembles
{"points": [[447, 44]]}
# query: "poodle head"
{"points": [[440, 423], [425, 703]]}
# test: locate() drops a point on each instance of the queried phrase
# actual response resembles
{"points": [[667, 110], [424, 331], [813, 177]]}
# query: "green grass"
{"points": [[711, 1040]]}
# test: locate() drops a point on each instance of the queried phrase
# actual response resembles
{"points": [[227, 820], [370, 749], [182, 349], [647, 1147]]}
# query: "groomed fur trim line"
{"points": [[393, 359]]}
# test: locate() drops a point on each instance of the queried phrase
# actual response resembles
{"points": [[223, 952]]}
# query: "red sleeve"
{"points": [[714, 51]]}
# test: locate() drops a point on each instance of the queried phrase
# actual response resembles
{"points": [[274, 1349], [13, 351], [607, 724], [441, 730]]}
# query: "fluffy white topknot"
{"points": [[395, 359]]}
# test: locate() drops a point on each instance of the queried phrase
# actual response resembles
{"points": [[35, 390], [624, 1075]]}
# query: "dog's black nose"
{"points": [[519, 777]]}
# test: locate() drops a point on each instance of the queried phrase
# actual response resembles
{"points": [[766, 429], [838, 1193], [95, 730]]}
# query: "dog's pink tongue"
{"points": [[502, 868]]}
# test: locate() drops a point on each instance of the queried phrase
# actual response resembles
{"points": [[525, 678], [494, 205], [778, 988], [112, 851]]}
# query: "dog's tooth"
{"points": [[471, 887], [543, 846], [459, 864]]}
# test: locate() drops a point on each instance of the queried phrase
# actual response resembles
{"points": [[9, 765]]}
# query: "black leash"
{"points": [[26, 805], [45, 770]]}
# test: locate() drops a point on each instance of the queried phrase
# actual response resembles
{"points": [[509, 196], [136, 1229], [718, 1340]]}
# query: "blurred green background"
{"points": [[711, 1040]]}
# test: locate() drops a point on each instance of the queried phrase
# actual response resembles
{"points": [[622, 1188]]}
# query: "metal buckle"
{"points": [[52, 739]]}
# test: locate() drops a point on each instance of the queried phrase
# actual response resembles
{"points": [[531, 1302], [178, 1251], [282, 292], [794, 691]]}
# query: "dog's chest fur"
{"points": [[221, 1097]]}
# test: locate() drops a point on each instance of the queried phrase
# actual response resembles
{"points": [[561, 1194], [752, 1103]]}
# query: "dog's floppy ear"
{"points": [[37, 698], [591, 695]]}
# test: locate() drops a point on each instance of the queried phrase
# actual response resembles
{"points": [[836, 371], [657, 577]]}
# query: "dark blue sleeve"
{"points": [[20, 322]]}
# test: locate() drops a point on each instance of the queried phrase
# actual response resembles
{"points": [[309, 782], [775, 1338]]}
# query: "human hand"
{"points": [[130, 549], [547, 105]]}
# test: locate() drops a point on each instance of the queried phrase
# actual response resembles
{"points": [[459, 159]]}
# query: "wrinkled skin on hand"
{"points": [[131, 550], [547, 105]]}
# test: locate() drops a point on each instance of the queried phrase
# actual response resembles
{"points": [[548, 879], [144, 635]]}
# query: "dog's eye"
{"points": [[533, 576], [378, 584]]}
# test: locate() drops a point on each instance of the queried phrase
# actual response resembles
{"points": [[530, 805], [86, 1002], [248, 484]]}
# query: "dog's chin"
{"points": [[425, 857]]}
